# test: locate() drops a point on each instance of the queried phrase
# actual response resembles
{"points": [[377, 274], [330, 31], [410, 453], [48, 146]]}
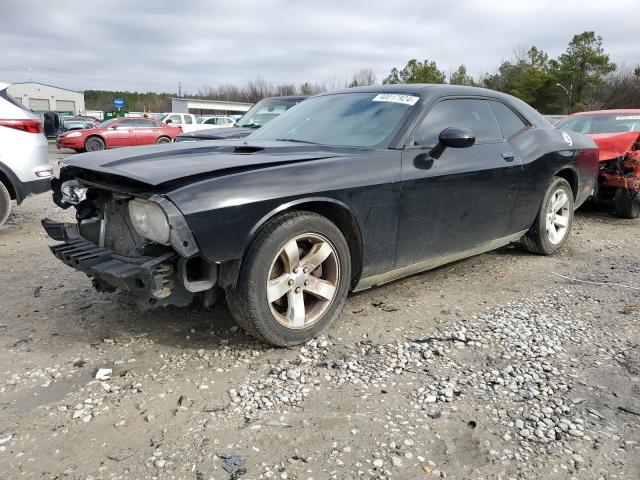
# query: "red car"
{"points": [[118, 132], [617, 134]]}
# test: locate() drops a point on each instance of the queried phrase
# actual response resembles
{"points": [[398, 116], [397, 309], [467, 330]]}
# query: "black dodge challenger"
{"points": [[345, 191]]}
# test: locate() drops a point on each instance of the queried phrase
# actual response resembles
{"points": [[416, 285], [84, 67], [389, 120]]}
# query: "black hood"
{"points": [[215, 134], [157, 164]]}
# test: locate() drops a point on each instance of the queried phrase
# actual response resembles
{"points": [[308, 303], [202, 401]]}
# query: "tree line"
{"points": [[582, 78]]}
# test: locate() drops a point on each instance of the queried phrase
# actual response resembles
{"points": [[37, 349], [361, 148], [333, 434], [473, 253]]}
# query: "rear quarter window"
{"points": [[510, 123]]}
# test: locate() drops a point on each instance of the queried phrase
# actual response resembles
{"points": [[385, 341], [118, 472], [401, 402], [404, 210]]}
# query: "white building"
{"points": [[40, 97], [208, 107]]}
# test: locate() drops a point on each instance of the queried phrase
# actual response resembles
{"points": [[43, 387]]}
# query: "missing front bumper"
{"points": [[151, 279]]}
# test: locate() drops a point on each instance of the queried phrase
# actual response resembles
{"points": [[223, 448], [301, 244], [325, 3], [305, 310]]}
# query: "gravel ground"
{"points": [[490, 368]]}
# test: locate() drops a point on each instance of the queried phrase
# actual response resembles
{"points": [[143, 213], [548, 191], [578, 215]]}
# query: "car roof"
{"points": [[417, 88], [633, 111], [436, 90]]}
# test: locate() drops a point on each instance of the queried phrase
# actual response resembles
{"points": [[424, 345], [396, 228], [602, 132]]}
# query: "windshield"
{"points": [[106, 123], [348, 119], [264, 111], [602, 123]]}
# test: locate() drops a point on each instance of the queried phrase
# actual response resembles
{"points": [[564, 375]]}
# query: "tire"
{"points": [[552, 226], [627, 203], [5, 204], [271, 257], [163, 140], [94, 144]]}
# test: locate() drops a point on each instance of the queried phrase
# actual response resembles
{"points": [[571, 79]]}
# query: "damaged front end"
{"points": [[127, 236], [619, 178]]}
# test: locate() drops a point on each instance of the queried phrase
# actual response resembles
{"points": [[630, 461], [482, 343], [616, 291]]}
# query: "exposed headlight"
{"points": [[73, 134], [149, 220]]}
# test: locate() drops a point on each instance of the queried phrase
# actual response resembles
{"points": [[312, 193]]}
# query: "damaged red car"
{"points": [[617, 134]]}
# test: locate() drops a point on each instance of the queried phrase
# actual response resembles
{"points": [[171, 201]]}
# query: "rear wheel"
{"points": [[627, 203], [552, 225], [94, 144], [5, 203], [293, 281], [163, 140]]}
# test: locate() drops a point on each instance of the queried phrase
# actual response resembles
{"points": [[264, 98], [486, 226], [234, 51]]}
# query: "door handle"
{"points": [[508, 156]]}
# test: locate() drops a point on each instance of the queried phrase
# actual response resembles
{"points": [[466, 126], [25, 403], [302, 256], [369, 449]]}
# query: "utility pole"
{"points": [[179, 89], [569, 92]]}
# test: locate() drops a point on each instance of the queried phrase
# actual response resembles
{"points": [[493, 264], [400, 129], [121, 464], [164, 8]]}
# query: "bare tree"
{"points": [[621, 89], [363, 78], [258, 89], [286, 89], [312, 88]]}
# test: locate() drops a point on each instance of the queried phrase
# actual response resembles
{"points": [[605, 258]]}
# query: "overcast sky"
{"points": [[151, 45]]}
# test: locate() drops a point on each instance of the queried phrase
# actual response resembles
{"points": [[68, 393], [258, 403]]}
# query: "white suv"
{"points": [[217, 121], [24, 164]]}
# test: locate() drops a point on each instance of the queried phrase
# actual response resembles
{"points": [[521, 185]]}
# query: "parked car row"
{"points": [[81, 135]]}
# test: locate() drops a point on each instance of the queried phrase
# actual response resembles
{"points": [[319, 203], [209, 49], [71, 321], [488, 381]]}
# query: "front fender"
{"points": [[224, 212], [295, 203]]}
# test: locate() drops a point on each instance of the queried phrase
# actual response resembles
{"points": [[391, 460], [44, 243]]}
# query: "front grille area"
{"points": [[119, 234]]}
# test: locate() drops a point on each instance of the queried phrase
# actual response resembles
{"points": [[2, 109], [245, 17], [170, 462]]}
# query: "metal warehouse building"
{"points": [[40, 97]]}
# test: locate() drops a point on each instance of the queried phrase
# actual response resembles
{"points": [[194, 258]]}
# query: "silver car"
{"points": [[24, 164]]}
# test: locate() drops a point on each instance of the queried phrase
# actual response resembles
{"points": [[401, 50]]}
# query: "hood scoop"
{"points": [[247, 149]]}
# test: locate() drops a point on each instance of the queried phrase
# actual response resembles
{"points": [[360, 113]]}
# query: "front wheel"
{"points": [[552, 225], [293, 281], [627, 203], [94, 144], [163, 140]]}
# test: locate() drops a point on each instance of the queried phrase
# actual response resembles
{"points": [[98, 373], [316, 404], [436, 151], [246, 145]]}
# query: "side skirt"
{"points": [[432, 263]]}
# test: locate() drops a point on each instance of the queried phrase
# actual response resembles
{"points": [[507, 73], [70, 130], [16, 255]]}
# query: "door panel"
{"points": [[123, 135], [455, 202], [146, 132]]}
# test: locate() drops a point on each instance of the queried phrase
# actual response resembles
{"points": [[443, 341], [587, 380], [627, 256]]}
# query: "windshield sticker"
{"points": [[628, 117], [396, 98]]}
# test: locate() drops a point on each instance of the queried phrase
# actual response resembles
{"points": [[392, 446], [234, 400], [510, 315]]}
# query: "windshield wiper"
{"points": [[296, 141], [249, 125]]}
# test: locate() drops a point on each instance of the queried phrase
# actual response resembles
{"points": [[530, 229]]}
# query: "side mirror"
{"points": [[113, 127], [168, 121], [453, 137]]}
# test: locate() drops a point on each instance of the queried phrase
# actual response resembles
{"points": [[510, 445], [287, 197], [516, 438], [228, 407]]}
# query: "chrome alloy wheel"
{"points": [[558, 216], [303, 280]]}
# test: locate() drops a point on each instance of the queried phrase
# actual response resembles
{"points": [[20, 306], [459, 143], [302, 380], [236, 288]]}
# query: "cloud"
{"points": [[152, 45]]}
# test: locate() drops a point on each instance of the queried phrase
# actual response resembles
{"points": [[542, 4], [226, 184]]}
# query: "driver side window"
{"points": [[470, 113], [128, 123]]}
